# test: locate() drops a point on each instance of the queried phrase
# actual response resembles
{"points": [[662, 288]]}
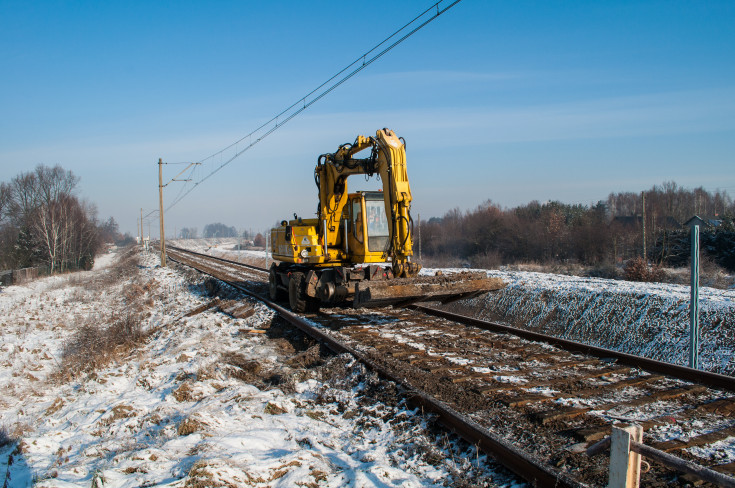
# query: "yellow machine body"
{"points": [[335, 256], [363, 237]]}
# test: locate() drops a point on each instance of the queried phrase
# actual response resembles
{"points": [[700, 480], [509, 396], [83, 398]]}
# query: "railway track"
{"points": [[534, 402]]}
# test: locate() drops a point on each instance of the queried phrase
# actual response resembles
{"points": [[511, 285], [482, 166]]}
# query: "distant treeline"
{"points": [[608, 232], [43, 223], [217, 229]]}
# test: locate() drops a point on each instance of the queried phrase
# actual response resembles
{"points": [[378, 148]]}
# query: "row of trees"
{"points": [[221, 230], [43, 223], [607, 232]]}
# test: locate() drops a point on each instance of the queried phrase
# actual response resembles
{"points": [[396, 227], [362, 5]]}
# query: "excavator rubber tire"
{"points": [[297, 298], [275, 293]]}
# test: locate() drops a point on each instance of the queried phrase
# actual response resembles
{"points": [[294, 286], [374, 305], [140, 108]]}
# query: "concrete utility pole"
{"points": [[160, 211], [160, 203], [141, 227]]}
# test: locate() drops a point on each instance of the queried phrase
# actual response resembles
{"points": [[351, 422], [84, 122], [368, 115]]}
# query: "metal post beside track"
{"points": [[694, 301]]}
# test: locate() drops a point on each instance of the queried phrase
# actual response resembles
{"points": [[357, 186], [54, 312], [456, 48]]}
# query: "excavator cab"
{"points": [[368, 235]]}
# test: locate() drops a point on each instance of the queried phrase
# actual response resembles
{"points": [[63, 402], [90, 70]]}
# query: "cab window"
{"points": [[377, 225], [357, 220]]}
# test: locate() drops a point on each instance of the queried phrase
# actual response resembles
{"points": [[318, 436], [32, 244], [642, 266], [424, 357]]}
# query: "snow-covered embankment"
{"points": [[647, 319]]}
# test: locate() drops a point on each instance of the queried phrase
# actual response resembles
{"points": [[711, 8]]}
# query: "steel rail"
{"points": [[520, 462], [706, 378], [244, 265]]}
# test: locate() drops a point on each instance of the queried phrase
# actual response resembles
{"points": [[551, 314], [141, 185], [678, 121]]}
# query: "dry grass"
{"points": [[185, 393], [94, 346], [241, 367], [191, 425], [202, 475], [273, 409], [306, 359], [55, 407]]}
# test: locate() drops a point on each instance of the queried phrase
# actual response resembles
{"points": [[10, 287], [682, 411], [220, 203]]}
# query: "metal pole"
{"points": [[141, 227], [160, 210], [267, 241], [645, 258], [694, 302]]}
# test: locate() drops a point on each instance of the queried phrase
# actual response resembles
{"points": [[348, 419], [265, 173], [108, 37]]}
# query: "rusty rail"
{"points": [[706, 378]]}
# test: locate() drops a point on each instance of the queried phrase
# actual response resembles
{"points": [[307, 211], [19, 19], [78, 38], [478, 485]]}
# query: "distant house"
{"points": [[704, 222], [628, 220]]}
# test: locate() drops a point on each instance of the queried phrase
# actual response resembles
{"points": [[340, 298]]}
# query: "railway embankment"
{"points": [[646, 319]]}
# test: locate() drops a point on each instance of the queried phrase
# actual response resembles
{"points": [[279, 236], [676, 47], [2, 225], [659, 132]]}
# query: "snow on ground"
{"points": [[104, 261], [646, 319], [182, 409]]}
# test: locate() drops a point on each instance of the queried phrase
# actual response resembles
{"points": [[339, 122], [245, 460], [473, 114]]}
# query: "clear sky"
{"points": [[508, 101]]}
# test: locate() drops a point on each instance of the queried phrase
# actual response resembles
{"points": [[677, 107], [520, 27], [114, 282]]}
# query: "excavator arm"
{"points": [[388, 159]]}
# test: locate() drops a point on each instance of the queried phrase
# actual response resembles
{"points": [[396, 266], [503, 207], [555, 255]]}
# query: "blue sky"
{"points": [[508, 101]]}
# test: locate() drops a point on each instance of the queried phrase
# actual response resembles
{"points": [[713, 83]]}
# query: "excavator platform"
{"points": [[404, 291]]}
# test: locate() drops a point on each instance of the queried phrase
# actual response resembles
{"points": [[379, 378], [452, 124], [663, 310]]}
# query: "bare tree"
{"points": [[5, 201], [47, 224], [53, 183]]}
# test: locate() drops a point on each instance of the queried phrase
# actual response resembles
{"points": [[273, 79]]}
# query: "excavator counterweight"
{"points": [[358, 249]]}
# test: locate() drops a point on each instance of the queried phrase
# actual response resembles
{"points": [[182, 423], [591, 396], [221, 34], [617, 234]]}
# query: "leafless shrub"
{"points": [[637, 269], [94, 346]]}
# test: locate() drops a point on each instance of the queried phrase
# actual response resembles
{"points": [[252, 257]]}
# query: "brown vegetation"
{"points": [[98, 342], [637, 269], [94, 346], [601, 236]]}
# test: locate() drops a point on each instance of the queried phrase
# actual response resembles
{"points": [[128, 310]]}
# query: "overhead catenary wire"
{"points": [[296, 108]]}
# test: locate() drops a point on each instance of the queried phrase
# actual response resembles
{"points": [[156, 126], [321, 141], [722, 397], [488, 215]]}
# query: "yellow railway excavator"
{"points": [[359, 247]]}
